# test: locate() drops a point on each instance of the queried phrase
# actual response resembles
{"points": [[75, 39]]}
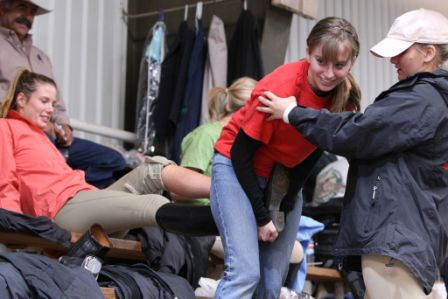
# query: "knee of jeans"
{"points": [[250, 278]]}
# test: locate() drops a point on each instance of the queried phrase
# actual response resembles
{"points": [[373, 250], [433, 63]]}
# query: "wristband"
{"points": [[287, 111]]}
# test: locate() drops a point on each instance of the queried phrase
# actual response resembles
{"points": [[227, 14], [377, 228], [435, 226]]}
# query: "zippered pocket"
{"points": [[373, 201]]}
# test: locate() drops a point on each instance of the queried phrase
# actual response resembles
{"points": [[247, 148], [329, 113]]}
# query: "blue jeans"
{"points": [[253, 269], [98, 162]]}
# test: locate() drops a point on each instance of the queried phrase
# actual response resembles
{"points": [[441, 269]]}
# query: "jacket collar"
{"points": [[414, 78], [12, 114]]}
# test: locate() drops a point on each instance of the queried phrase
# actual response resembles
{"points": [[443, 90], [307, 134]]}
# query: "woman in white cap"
{"points": [[398, 153]]}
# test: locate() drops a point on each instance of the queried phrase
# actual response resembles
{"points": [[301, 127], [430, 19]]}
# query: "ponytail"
{"points": [[347, 96]]}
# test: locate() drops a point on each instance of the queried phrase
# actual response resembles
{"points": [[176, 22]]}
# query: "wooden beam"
{"points": [[323, 274], [121, 249]]}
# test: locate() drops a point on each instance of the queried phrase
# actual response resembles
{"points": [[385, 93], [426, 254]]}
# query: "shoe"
{"points": [[277, 188], [94, 241]]}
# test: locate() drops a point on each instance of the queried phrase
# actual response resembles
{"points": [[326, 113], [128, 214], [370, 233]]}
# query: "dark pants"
{"points": [[97, 161]]}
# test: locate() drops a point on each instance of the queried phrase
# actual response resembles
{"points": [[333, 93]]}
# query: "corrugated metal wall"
{"points": [[372, 19], [86, 40]]}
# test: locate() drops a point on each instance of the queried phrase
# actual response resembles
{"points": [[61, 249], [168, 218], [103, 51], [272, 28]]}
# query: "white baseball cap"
{"points": [[417, 26]]}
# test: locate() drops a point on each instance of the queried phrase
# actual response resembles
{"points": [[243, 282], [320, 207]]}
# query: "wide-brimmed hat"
{"points": [[416, 26], [42, 6]]}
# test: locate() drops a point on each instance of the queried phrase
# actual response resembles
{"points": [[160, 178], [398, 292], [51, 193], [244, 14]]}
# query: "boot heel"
{"points": [[94, 241]]}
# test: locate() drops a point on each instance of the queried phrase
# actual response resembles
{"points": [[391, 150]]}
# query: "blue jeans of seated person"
{"points": [[253, 269], [98, 162]]}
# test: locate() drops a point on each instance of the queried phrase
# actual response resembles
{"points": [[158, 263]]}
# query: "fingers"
{"points": [[270, 95], [264, 101], [264, 109], [271, 237], [267, 233]]}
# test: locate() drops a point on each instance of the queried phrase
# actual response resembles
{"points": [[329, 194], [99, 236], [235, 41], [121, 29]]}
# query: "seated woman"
{"points": [[35, 180], [197, 147]]}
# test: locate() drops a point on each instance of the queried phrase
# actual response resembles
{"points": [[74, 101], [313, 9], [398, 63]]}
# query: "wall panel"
{"points": [[86, 40]]}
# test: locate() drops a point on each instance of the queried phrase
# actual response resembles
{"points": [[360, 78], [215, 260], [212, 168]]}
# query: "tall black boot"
{"points": [[187, 219], [94, 241]]}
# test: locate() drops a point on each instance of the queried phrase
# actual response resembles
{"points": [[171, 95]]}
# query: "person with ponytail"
{"points": [[256, 243], [35, 179], [197, 147]]}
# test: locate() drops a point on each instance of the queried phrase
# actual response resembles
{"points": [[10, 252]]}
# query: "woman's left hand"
{"points": [[267, 232], [274, 105]]}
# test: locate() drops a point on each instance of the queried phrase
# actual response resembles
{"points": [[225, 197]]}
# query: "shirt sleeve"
{"points": [[9, 183], [243, 150], [197, 151]]}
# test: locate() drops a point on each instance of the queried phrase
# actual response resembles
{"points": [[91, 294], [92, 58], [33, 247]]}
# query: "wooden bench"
{"points": [[327, 275], [131, 251], [121, 249]]}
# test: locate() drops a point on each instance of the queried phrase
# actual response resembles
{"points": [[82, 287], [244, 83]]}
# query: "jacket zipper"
{"points": [[375, 187]]}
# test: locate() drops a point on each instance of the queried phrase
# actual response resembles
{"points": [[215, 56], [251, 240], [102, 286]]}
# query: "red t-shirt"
{"points": [[282, 143]]}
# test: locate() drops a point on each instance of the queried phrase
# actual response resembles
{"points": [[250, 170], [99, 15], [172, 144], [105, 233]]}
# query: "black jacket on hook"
{"points": [[244, 50], [172, 84]]}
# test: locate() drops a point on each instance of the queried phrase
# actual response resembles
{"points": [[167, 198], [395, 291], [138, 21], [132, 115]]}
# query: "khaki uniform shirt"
{"points": [[14, 55]]}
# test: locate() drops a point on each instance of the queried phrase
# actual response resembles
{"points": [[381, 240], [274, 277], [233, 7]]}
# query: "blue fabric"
{"points": [[97, 161], [190, 112], [253, 269], [47, 278], [308, 227], [156, 49], [12, 284]]}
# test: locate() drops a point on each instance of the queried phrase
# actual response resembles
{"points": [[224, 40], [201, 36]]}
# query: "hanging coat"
{"points": [[190, 111], [172, 88], [244, 50], [215, 71], [148, 86]]}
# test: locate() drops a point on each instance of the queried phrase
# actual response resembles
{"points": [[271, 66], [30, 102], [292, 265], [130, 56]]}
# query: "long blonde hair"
{"points": [[223, 102], [330, 33], [24, 81]]}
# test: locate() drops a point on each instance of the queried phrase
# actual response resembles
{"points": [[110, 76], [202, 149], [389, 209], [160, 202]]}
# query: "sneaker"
{"points": [[277, 188]]}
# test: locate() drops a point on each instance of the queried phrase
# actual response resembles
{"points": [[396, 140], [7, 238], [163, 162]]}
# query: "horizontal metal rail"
{"points": [[103, 130]]}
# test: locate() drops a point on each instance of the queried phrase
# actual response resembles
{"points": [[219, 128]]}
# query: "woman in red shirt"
{"points": [[35, 179], [256, 254]]}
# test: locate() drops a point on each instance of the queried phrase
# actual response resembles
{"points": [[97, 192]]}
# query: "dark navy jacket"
{"points": [[25, 275], [396, 181]]}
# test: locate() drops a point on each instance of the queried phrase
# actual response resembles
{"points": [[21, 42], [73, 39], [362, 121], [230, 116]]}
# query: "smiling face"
{"points": [[18, 16], [37, 108], [325, 73]]}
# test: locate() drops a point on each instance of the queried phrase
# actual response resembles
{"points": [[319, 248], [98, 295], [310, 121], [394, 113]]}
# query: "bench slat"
{"points": [[121, 249]]}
